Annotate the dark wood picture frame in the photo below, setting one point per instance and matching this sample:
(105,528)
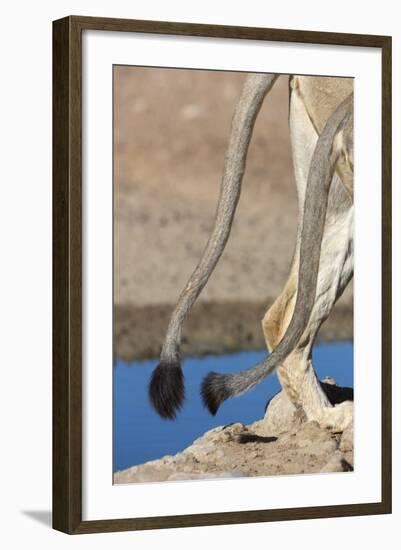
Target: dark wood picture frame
(67,274)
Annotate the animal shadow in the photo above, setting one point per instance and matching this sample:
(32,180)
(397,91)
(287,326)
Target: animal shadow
(253,438)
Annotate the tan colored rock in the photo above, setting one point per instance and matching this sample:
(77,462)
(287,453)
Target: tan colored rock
(335,464)
(280,416)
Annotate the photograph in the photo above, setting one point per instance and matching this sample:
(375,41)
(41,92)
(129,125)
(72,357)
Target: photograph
(233,211)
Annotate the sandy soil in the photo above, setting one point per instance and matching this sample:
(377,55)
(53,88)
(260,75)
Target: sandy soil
(171,129)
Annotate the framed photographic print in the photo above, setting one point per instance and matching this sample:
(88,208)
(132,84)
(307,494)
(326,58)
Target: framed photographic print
(221,274)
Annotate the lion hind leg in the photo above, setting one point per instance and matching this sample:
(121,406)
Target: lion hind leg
(297,375)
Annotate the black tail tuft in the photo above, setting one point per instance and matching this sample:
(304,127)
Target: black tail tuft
(166,389)
(214,391)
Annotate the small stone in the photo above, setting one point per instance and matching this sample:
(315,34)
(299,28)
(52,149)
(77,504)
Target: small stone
(329,380)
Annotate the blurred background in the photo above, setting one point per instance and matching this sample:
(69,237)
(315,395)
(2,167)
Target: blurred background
(171,129)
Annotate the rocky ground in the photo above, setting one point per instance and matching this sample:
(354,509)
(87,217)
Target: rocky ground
(279,444)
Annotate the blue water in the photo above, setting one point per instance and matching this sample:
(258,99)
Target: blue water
(140,435)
